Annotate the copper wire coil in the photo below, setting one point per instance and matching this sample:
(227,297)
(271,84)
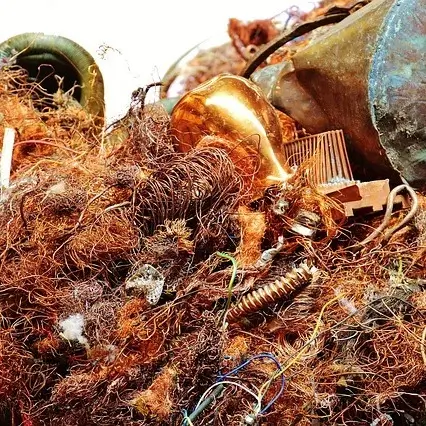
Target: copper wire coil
(270,293)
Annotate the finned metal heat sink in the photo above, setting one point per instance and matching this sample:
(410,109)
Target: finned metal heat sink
(330,164)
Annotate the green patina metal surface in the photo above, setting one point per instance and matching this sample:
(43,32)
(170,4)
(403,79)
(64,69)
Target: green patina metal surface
(31,50)
(367,76)
(397,88)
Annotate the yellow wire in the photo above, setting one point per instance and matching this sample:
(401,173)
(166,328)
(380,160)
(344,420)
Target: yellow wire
(301,352)
(400,272)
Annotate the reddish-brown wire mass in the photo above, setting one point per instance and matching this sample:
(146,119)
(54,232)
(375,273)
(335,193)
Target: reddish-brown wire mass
(84,212)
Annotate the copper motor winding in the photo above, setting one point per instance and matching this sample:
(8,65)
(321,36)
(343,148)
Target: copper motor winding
(272,292)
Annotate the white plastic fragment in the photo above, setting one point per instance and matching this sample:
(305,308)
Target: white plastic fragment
(250,419)
(382,419)
(345,303)
(72,329)
(57,189)
(6,157)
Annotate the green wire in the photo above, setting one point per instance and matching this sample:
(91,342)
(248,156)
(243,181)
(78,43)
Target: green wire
(231,281)
(186,419)
(208,401)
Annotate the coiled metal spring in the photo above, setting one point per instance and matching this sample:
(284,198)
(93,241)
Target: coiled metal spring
(272,292)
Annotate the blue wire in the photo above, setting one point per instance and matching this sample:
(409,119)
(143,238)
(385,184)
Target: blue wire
(277,395)
(261,355)
(245,363)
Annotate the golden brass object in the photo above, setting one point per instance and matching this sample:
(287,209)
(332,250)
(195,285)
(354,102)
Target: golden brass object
(233,109)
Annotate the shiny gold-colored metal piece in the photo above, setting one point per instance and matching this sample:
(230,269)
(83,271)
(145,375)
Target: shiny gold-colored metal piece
(233,109)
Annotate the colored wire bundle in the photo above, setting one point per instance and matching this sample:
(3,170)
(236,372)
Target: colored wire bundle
(247,362)
(208,396)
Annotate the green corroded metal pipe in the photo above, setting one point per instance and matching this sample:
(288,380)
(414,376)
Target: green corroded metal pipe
(367,76)
(68,59)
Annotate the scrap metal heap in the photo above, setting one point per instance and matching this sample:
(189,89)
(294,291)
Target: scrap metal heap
(223,265)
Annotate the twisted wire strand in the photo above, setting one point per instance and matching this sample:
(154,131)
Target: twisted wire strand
(195,185)
(388,214)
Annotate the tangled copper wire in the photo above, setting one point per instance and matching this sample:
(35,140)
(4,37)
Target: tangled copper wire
(78,219)
(200,186)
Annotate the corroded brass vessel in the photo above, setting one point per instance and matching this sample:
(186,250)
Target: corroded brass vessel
(366,76)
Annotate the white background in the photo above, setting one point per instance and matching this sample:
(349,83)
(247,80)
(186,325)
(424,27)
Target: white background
(146,36)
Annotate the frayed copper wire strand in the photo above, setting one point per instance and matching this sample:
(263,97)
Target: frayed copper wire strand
(391,357)
(44,142)
(290,349)
(38,123)
(110,235)
(372,262)
(371,369)
(384,355)
(146,136)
